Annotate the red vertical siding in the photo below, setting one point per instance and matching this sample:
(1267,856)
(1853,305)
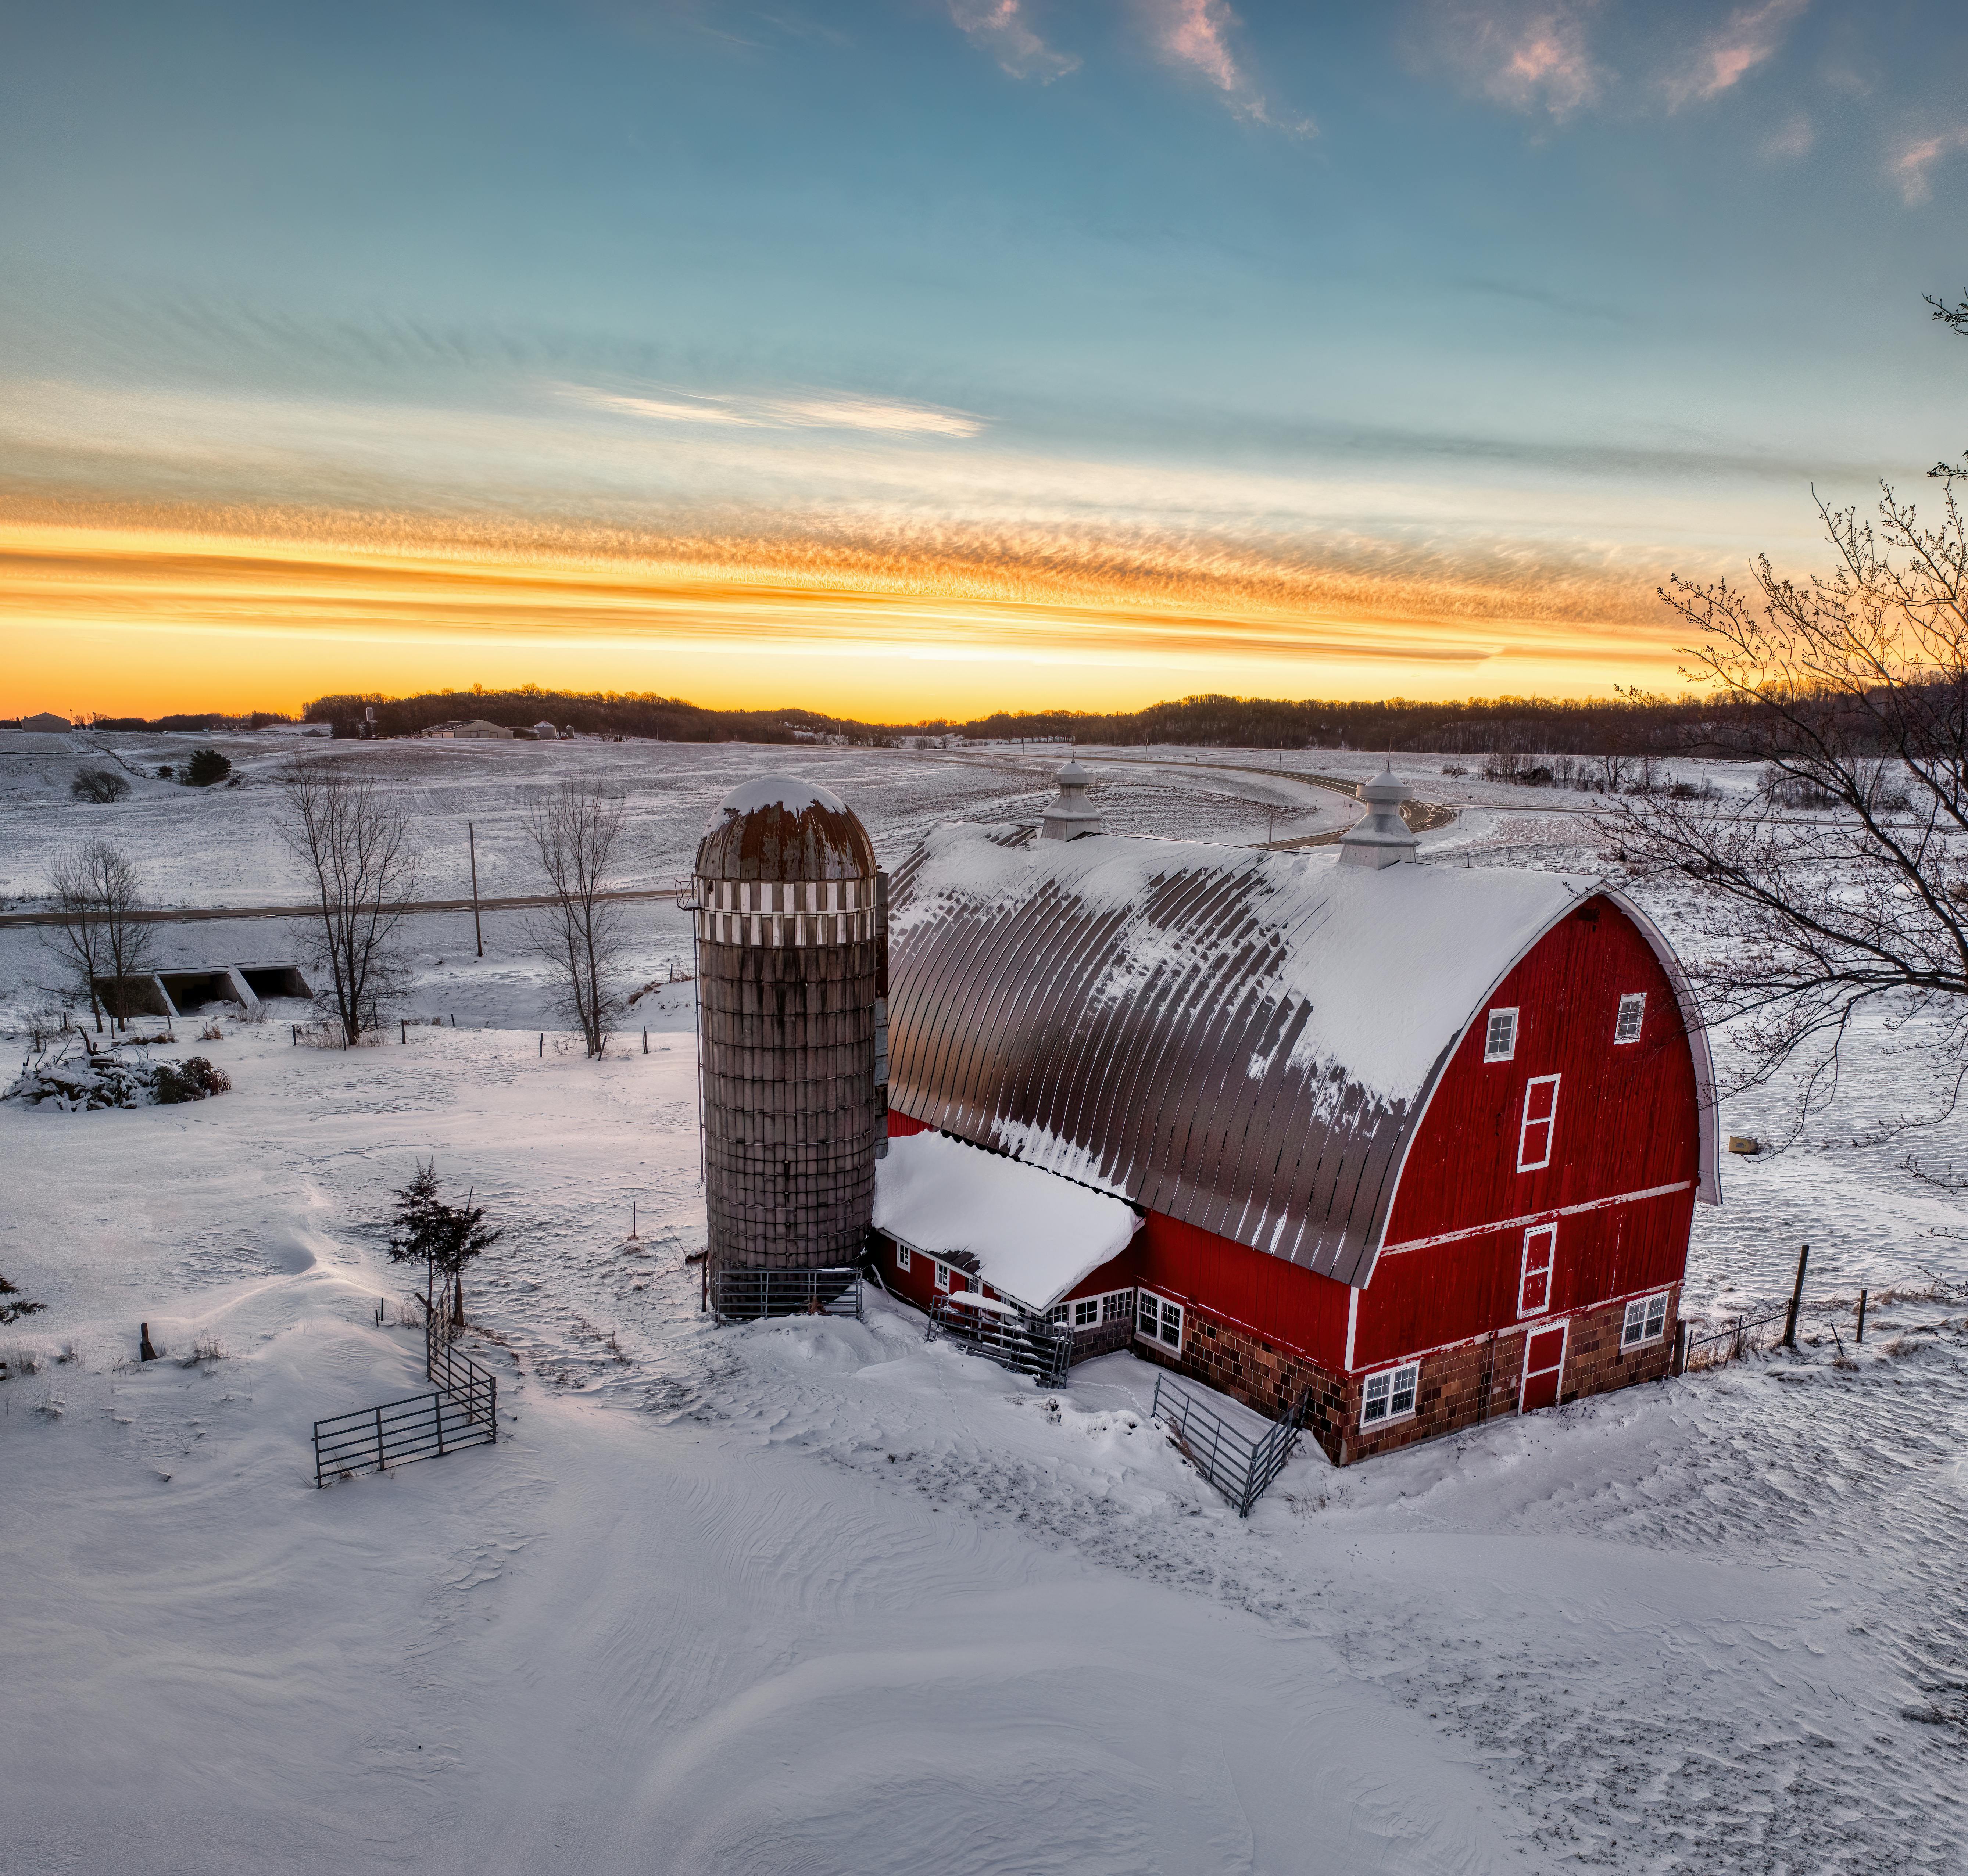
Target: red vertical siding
(901,1126)
(1281,1302)
(1627,1121)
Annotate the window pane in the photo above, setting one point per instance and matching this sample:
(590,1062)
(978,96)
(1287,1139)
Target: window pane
(1632,1015)
(1172,1325)
(1402,1398)
(902,1257)
(1086,1312)
(1149,1315)
(1656,1315)
(1119,1304)
(1375,1398)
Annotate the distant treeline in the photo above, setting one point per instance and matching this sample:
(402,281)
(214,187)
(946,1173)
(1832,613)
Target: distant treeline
(1629,724)
(198,724)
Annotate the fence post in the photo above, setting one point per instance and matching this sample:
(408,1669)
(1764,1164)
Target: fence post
(381,1465)
(1861,1336)
(494,1382)
(1796,1297)
(1680,1360)
(437,1413)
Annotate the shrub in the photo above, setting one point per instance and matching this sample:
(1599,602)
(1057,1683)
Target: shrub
(205,767)
(192,1079)
(163,771)
(98,784)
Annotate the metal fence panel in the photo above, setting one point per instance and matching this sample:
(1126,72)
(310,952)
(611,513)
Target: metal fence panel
(461,1410)
(746,1295)
(1029,1344)
(1240,1465)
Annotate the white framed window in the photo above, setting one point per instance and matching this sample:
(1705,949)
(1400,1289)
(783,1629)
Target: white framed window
(1646,1321)
(942,1275)
(1116,1305)
(1390,1394)
(1534,1284)
(1158,1320)
(1534,1138)
(1500,1038)
(903,1259)
(1632,1015)
(1084,1312)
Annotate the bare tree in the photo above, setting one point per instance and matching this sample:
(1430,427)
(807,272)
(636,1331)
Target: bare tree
(575,830)
(354,837)
(99,937)
(1841,885)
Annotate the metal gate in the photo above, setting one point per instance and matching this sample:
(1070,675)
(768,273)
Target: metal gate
(463,1410)
(744,1295)
(1013,1339)
(1241,1468)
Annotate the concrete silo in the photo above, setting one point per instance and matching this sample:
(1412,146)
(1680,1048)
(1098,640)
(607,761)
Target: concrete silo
(791,920)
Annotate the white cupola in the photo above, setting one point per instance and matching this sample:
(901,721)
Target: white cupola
(1070,814)
(1383,839)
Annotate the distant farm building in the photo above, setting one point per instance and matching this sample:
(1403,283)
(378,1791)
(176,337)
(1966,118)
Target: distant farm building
(473,730)
(47,721)
(1420,1143)
(545,733)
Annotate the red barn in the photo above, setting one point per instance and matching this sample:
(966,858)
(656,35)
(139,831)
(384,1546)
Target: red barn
(1424,1140)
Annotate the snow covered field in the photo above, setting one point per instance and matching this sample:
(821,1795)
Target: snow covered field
(818,1596)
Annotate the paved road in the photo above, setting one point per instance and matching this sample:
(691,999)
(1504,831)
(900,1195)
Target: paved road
(170,915)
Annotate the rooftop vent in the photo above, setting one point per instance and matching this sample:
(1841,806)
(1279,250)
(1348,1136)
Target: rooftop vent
(1383,838)
(1070,814)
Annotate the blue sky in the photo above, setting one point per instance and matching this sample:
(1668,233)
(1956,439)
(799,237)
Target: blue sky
(1391,317)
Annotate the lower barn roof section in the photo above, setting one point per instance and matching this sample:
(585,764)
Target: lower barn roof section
(1033,1235)
(1241,1039)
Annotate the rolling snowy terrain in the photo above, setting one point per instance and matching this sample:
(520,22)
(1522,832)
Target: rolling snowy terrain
(818,1597)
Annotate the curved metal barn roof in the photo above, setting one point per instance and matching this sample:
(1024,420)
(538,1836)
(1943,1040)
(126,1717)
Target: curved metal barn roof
(1243,1040)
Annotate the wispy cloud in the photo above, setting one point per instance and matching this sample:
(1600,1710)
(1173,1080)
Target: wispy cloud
(1001,28)
(1912,166)
(1793,140)
(1748,38)
(1194,36)
(818,410)
(1531,58)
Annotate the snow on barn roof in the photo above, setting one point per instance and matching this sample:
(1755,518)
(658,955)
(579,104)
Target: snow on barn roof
(1241,1039)
(1033,1235)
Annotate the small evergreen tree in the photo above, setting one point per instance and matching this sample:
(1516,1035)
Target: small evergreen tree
(443,1237)
(205,767)
(12,1311)
(415,1239)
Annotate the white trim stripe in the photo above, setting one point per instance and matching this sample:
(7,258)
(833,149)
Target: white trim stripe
(1534,1218)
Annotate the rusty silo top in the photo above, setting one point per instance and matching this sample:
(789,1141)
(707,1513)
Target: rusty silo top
(780,827)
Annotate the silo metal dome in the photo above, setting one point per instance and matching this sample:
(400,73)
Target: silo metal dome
(791,918)
(780,827)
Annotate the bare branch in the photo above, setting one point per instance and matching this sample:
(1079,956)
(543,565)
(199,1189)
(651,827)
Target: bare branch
(575,830)
(353,836)
(1841,887)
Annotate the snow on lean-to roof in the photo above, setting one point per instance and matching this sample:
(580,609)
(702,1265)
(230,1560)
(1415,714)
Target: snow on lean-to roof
(1033,1234)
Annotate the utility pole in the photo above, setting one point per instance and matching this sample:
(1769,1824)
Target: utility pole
(477,932)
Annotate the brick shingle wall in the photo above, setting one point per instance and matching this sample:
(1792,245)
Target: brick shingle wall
(1458,1387)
